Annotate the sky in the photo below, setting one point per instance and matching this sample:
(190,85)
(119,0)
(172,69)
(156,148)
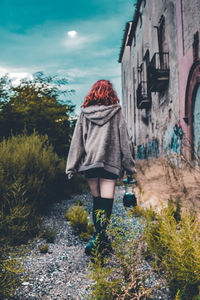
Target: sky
(78,40)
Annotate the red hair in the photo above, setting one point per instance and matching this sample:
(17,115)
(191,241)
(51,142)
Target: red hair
(101,93)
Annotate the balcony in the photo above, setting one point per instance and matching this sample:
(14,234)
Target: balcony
(159,72)
(143,99)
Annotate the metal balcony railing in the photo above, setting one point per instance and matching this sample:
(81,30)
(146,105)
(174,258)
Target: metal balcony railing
(160,61)
(143,99)
(159,71)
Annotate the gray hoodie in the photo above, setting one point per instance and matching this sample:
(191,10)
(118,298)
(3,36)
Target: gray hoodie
(100,139)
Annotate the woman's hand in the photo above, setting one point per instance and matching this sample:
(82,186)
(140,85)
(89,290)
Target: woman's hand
(70,175)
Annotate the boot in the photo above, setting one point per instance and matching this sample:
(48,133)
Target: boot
(100,239)
(93,242)
(105,244)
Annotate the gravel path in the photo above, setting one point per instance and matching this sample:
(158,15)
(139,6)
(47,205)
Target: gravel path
(62,272)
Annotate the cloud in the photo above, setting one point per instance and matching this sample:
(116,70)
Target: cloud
(45,46)
(80,41)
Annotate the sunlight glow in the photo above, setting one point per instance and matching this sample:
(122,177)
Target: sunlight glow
(72,33)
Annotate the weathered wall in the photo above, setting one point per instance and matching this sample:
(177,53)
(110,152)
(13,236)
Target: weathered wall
(188,20)
(152,129)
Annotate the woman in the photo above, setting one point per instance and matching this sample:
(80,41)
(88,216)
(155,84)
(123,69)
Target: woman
(101,149)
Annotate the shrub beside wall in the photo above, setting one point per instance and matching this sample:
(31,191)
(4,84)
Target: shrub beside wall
(174,244)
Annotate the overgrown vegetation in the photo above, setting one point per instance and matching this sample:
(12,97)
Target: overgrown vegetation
(10,272)
(79,219)
(44,248)
(30,162)
(18,220)
(49,234)
(37,104)
(119,276)
(36,125)
(173,241)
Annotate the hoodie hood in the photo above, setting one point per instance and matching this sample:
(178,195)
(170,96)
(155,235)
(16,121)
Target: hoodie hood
(100,114)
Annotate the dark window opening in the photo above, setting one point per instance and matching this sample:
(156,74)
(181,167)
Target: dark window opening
(170,114)
(152,126)
(161,41)
(196,46)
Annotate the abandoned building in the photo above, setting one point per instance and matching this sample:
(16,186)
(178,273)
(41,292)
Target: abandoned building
(160,70)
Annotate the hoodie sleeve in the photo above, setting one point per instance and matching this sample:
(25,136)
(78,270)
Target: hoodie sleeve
(76,149)
(126,147)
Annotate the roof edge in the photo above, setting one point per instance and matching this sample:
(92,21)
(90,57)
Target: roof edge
(135,22)
(131,32)
(124,42)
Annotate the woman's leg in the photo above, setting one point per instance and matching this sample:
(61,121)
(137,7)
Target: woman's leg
(102,191)
(107,188)
(95,191)
(94,186)
(107,191)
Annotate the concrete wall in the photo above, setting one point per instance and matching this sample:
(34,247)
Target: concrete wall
(188,20)
(148,126)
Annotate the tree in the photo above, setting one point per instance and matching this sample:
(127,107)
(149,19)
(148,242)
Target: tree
(39,105)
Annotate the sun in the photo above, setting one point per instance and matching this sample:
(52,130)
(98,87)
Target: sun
(72,33)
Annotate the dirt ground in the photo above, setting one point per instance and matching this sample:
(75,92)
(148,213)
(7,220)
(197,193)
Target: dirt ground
(159,179)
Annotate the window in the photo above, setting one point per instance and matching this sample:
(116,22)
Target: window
(196,46)
(146,65)
(161,34)
(152,126)
(161,41)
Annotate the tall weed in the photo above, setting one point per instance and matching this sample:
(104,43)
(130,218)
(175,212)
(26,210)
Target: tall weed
(175,246)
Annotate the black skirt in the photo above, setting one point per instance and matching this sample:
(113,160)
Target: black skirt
(99,172)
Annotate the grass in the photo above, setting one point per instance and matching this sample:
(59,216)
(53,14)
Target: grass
(80,221)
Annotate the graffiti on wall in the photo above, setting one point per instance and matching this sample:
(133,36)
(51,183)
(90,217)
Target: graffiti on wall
(176,140)
(150,149)
(172,143)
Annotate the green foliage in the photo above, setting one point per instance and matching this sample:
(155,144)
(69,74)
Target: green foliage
(37,105)
(176,248)
(178,297)
(80,221)
(138,211)
(31,177)
(18,220)
(44,248)
(118,276)
(49,234)
(10,273)
(31,161)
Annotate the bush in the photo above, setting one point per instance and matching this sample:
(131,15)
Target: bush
(174,243)
(30,161)
(10,273)
(80,221)
(37,104)
(49,234)
(17,223)
(18,220)
(44,248)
